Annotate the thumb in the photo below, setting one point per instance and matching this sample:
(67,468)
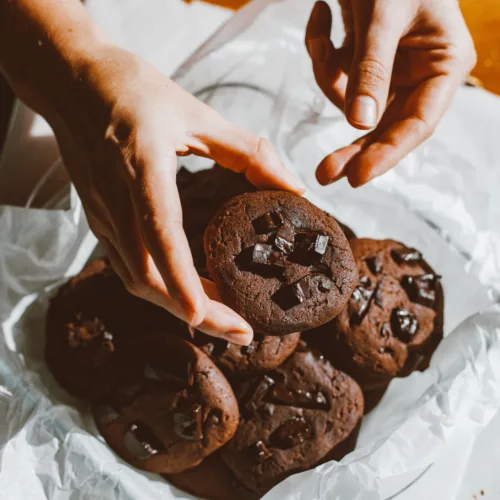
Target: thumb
(377,36)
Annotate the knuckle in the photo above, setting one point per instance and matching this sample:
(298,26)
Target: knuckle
(372,73)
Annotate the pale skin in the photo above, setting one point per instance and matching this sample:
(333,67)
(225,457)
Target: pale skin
(120,125)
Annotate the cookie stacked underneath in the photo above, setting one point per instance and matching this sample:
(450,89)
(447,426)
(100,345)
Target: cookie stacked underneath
(223,421)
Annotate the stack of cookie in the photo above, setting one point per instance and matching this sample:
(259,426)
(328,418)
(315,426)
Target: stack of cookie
(333,320)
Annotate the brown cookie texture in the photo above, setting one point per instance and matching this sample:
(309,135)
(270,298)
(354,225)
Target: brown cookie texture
(202,194)
(172,409)
(264,353)
(394,319)
(279,261)
(212,480)
(291,418)
(88,322)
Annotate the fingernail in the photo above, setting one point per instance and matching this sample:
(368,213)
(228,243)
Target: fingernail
(240,338)
(363,111)
(318,48)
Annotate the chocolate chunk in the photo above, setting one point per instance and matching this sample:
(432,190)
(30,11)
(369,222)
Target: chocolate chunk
(314,400)
(325,285)
(260,451)
(173,382)
(404,324)
(283,245)
(292,295)
(214,417)
(248,349)
(220,346)
(268,222)
(406,255)
(374,264)
(309,248)
(292,433)
(257,393)
(188,425)
(360,303)
(141,442)
(263,254)
(365,281)
(421,289)
(267,409)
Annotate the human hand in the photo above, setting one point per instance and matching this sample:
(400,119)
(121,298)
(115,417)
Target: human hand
(120,131)
(397,72)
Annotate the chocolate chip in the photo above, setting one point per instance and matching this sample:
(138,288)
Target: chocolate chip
(220,347)
(404,324)
(290,434)
(406,255)
(325,285)
(292,295)
(173,382)
(309,248)
(214,417)
(248,349)
(141,442)
(188,425)
(283,245)
(374,264)
(260,451)
(314,400)
(263,254)
(421,289)
(365,281)
(268,222)
(359,304)
(254,397)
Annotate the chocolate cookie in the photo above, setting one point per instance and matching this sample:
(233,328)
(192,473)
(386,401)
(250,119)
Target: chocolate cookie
(264,353)
(88,322)
(394,319)
(212,480)
(279,261)
(349,233)
(171,410)
(202,194)
(291,418)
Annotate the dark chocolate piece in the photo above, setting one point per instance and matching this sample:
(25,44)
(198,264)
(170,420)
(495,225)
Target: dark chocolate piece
(406,255)
(421,289)
(280,394)
(268,222)
(374,264)
(248,349)
(141,442)
(292,295)
(283,245)
(309,248)
(292,433)
(360,303)
(404,324)
(188,425)
(258,393)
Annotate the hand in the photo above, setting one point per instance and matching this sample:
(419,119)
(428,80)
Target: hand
(120,131)
(397,72)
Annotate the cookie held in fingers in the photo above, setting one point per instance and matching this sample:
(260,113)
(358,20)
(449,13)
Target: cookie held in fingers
(291,418)
(279,261)
(171,409)
(394,319)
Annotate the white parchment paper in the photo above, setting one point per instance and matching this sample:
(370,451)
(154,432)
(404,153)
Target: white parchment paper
(443,199)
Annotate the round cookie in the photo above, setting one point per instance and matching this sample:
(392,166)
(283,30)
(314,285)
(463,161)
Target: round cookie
(279,261)
(212,480)
(394,319)
(171,410)
(264,353)
(291,418)
(88,322)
